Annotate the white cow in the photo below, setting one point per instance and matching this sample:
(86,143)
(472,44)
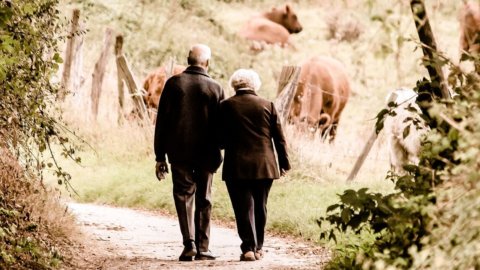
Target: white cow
(404,150)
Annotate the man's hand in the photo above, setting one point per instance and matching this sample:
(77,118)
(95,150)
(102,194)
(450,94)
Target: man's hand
(161,168)
(283,172)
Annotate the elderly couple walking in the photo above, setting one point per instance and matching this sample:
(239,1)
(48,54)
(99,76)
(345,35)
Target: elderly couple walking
(193,123)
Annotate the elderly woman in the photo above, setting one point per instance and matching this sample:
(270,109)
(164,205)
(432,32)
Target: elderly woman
(249,129)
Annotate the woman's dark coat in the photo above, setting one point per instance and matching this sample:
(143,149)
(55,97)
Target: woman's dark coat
(249,130)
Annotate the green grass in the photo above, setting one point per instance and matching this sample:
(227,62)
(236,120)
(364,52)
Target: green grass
(121,172)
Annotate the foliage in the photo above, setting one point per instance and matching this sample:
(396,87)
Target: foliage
(454,233)
(419,224)
(28,130)
(28,60)
(32,223)
(343,28)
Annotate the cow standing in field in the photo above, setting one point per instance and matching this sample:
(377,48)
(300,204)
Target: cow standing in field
(404,150)
(273,27)
(154,83)
(322,92)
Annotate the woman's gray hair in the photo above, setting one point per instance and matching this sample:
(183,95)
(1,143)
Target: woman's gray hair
(245,78)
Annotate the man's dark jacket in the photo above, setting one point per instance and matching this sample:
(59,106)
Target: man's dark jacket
(249,129)
(186,120)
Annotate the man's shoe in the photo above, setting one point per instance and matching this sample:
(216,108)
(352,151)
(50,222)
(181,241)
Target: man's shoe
(183,258)
(188,252)
(259,254)
(205,255)
(248,256)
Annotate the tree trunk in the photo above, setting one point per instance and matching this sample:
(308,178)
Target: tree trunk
(429,48)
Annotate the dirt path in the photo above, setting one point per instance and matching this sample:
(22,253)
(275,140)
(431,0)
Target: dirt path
(121,238)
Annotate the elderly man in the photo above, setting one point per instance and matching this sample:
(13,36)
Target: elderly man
(185,132)
(249,129)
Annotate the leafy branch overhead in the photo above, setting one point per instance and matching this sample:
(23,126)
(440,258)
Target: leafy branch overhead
(29,126)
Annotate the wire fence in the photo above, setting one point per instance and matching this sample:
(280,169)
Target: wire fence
(318,88)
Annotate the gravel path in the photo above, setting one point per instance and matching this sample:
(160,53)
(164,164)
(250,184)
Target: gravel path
(122,238)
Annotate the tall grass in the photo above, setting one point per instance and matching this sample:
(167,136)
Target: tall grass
(121,169)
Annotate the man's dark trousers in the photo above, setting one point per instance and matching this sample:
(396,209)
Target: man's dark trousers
(193,186)
(249,201)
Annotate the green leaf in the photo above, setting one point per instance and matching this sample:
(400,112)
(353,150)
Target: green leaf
(349,196)
(29,9)
(57,58)
(406,131)
(346,215)
(332,207)
(377,18)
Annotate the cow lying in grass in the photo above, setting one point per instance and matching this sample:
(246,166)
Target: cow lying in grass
(272,27)
(405,129)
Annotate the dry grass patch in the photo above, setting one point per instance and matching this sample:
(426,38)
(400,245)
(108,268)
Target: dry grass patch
(36,231)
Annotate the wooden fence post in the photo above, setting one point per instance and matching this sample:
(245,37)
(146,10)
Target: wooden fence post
(132,86)
(429,47)
(363,156)
(120,78)
(77,76)
(287,86)
(99,72)
(169,68)
(68,59)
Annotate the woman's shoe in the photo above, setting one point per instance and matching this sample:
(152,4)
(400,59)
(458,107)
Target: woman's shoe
(259,254)
(205,255)
(248,256)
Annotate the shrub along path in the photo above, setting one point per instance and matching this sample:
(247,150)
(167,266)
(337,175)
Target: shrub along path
(122,238)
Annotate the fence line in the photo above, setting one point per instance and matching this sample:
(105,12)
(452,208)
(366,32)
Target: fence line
(311,86)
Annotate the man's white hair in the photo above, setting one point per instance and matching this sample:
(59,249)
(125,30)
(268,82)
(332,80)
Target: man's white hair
(200,53)
(245,78)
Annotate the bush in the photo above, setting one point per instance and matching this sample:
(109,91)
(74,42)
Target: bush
(31,222)
(343,27)
(28,59)
(428,223)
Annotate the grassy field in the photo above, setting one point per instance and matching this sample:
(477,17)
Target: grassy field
(119,170)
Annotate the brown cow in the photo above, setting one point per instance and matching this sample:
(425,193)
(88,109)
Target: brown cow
(273,27)
(322,92)
(154,83)
(470,27)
